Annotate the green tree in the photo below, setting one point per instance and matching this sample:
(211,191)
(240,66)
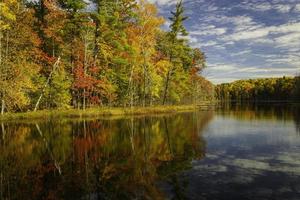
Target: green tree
(175,48)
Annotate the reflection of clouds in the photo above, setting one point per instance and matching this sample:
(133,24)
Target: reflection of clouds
(248,134)
(249,164)
(212,156)
(243,178)
(245,170)
(253,145)
(259,167)
(248,159)
(213,169)
(289,158)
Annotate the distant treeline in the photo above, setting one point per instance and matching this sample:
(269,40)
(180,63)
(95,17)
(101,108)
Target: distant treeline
(268,89)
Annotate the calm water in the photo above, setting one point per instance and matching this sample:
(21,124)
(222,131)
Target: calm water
(234,153)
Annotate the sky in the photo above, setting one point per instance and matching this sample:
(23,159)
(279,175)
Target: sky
(243,39)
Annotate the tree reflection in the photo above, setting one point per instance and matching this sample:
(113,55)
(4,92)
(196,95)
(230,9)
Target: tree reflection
(296,114)
(99,159)
(262,111)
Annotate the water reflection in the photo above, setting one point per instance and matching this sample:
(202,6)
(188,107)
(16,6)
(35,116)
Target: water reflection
(99,159)
(252,152)
(237,152)
(296,115)
(262,111)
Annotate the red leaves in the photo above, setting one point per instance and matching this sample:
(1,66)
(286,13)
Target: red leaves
(83,80)
(86,84)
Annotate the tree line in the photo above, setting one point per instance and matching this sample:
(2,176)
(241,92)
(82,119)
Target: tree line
(70,53)
(267,89)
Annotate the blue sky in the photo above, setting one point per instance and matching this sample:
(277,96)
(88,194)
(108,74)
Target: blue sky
(243,39)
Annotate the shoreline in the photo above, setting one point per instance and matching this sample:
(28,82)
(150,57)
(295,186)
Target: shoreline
(105,112)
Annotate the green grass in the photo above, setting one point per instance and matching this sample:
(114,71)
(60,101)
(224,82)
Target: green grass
(102,112)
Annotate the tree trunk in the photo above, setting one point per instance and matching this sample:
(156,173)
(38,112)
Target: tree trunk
(144,95)
(131,87)
(145,73)
(7,45)
(166,88)
(1,185)
(1,46)
(170,71)
(46,84)
(132,136)
(168,136)
(97,35)
(85,68)
(56,164)
(2,106)
(3,131)
(84,102)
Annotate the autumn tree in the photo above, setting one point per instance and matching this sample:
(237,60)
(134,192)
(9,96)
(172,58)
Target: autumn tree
(142,37)
(7,16)
(63,53)
(21,55)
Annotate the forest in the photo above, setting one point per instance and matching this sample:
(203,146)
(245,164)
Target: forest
(60,54)
(267,89)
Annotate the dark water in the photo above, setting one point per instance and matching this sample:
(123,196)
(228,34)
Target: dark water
(234,153)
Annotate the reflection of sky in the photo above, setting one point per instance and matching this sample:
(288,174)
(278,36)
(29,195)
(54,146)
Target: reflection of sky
(252,133)
(259,157)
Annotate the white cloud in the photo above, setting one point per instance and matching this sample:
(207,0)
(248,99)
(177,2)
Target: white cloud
(288,40)
(266,6)
(259,6)
(209,30)
(211,8)
(167,24)
(221,67)
(292,60)
(248,51)
(163,2)
(289,27)
(285,34)
(245,35)
(222,72)
(297,8)
(209,43)
(264,40)
(283,8)
(192,40)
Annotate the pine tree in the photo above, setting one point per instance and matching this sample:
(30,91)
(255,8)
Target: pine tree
(177,19)
(175,48)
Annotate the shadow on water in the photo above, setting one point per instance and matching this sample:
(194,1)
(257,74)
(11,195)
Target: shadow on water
(99,159)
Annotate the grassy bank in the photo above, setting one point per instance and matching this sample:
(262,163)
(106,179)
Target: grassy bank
(103,111)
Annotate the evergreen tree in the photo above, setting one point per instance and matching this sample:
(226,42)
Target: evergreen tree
(175,47)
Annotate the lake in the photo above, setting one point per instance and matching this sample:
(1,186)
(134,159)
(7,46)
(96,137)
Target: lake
(232,153)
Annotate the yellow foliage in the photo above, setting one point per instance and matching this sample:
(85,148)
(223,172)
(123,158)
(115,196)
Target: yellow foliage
(7,13)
